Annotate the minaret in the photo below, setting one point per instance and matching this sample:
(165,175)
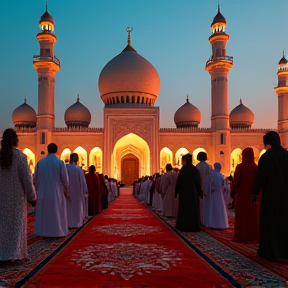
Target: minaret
(282,92)
(218,66)
(46,65)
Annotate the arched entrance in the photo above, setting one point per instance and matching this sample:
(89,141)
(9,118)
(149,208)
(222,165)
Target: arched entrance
(129,169)
(127,145)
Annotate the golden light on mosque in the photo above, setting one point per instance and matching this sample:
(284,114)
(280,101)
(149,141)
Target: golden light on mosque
(130,144)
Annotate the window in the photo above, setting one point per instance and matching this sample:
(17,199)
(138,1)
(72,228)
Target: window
(43,138)
(222,138)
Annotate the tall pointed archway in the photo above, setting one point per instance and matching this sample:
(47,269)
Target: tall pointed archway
(133,145)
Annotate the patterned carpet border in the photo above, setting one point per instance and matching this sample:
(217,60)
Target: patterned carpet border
(198,252)
(246,272)
(47,259)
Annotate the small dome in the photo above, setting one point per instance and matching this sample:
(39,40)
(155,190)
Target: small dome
(77,115)
(187,115)
(129,78)
(24,116)
(283,60)
(46,16)
(219,18)
(241,116)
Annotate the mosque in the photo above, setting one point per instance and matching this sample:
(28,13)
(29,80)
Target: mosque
(131,143)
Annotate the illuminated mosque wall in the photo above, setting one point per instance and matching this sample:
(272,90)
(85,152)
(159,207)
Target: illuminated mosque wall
(131,143)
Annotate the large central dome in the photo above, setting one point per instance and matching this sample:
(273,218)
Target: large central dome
(129,79)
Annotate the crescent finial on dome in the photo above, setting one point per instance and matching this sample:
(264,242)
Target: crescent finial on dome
(187,98)
(25,100)
(129,30)
(78,98)
(218,6)
(241,101)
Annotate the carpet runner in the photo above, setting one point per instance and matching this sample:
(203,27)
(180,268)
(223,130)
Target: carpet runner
(127,246)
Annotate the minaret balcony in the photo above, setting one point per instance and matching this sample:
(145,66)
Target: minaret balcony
(39,59)
(219,60)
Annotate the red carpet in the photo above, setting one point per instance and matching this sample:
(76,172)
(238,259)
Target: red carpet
(248,249)
(127,246)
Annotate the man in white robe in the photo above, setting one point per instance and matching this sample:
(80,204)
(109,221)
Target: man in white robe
(78,193)
(218,217)
(143,194)
(52,187)
(170,203)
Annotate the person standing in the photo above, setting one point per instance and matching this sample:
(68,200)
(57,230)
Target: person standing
(218,218)
(94,196)
(170,204)
(205,169)
(143,194)
(188,186)
(52,190)
(16,189)
(246,226)
(78,193)
(272,178)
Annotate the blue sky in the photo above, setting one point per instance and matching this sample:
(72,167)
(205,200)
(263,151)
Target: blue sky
(172,35)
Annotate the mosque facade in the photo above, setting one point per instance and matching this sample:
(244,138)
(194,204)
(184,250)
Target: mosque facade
(131,143)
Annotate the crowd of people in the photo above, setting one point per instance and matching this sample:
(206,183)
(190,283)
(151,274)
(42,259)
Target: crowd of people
(63,195)
(197,196)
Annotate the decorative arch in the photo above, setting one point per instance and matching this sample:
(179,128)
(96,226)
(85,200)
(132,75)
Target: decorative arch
(82,154)
(130,143)
(178,156)
(195,153)
(166,156)
(30,159)
(235,159)
(65,155)
(95,158)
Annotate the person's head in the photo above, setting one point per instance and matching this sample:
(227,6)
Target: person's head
(151,178)
(74,158)
(106,177)
(271,138)
(201,156)
(92,168)
(187,159)
(52,148)
(66,161)
(146,178)
(8,142)
(230,178)
(217,166)
(248,155)
(169,167)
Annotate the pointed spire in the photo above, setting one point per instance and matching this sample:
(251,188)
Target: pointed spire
(241,101)
(129,30)
(187,98)
(46,5)
(218,6)
(283,54)
(78,98)
(25,100)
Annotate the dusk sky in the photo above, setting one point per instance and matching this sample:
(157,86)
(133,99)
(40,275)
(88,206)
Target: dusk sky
(172,35)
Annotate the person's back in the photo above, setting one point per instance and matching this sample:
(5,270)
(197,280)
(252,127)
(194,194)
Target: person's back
(272,177)
(246,226)
(218,217)
(15,190)
(78,191)
(188,187)
(52,189)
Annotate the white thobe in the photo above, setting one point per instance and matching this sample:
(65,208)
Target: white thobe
(157,197)
(76,205)
(218,213)
(143,192)
(170,203)
(51,181)
(205,169)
